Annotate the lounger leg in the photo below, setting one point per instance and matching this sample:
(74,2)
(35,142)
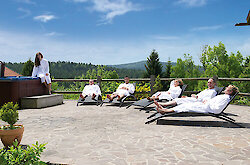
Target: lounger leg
(229,118)
(230,121)
(152,115)
(121,104)
(150,121)
(129,105)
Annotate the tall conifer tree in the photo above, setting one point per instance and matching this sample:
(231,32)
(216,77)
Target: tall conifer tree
(153,65)
(27,68)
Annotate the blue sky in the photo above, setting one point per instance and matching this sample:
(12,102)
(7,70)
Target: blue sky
(119,31)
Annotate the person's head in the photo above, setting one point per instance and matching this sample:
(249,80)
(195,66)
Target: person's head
(126,79)
(91,82)
(178,82)
(211,83)
(231,90)
(38,58)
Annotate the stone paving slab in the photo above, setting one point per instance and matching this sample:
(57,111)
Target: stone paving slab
(109,135)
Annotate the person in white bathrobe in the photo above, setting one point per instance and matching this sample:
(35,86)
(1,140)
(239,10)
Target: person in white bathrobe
(173,92)
(214,105)
(41,69)
(200,97)
(124,89)
(92,90)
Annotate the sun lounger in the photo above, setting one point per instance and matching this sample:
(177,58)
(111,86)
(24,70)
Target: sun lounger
(122,100)
(221,115)
(219,90)
(88,100)
(145,102)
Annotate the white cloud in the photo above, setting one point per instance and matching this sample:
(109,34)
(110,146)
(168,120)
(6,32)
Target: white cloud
(162,37)
(44,18)
(110,8)
(25,11)
(215,27)
(192,3)
(113,8)
(26,1)
(78,0)
(53,34)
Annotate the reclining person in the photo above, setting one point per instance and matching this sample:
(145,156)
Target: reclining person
(90,90)
(206,94)
(214,105)
(173,92)
(124,89)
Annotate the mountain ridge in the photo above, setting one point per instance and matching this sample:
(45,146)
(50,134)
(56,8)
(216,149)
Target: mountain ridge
(140,65)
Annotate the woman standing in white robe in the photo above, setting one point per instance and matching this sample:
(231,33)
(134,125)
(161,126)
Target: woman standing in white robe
(41,69)
(173,92)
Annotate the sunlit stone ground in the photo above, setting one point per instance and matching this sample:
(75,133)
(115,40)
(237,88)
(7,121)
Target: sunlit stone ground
(90,134)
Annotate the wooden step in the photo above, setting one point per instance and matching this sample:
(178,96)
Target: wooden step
(42,101)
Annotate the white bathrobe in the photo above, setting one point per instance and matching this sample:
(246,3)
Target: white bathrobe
(131,89)
(174,92)
(214,105)
(41,70)
(203,95)
(89,90)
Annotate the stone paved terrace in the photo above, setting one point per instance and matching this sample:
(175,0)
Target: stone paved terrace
(109,135)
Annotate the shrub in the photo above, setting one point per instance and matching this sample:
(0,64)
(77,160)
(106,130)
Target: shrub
(9,114)
(17,155)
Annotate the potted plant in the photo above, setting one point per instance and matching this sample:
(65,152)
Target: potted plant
(9,133)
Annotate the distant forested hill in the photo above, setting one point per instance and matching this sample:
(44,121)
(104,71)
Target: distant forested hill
(62,69)
(138,65)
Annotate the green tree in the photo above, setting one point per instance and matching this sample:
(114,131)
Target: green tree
(186,69)
(153,65)
(27,68)
(168,69)
(216,61)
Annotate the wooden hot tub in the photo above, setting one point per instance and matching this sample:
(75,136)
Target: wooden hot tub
(14,88)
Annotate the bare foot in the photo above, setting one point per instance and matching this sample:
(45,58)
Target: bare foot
(93,96)
(82,96)
(109,97)
(161,111)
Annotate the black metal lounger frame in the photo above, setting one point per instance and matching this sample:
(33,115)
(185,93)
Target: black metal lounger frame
(145,102)
(221,115)
(88,99)
(122,100)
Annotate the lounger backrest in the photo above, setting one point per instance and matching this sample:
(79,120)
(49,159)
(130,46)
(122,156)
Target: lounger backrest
(219,90)
(182,90)
(231,99)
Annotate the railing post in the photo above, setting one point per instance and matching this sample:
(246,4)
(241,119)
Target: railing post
(2,68)
(152,83)
(99,81)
